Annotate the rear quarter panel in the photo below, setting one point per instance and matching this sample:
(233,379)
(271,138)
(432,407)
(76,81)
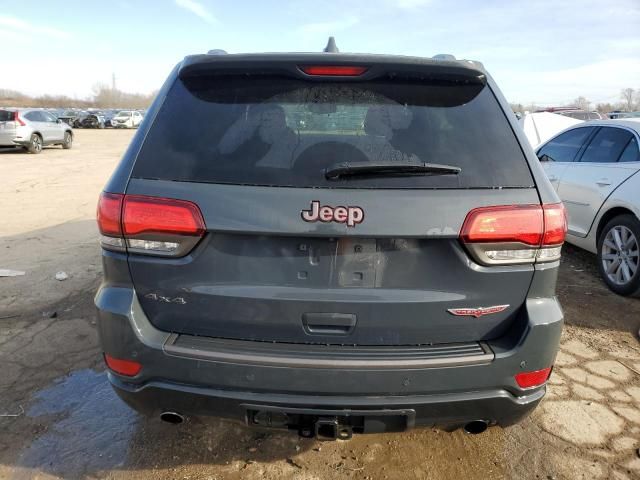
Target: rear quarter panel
(626,196)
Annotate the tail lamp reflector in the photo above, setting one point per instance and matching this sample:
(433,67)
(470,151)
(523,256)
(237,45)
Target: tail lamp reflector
(511,234)
(532,379)
(151,225)
(128,368)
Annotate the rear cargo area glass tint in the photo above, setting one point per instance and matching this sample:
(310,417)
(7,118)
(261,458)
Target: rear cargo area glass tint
(6,115)
(277,131)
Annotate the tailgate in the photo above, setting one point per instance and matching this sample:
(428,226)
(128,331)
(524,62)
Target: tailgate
(291,254)
(262,274)
(7,127)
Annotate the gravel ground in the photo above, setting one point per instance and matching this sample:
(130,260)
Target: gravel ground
(60,419)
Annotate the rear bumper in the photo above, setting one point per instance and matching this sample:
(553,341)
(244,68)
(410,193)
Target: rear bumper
(21,136)
(449,411)
(224,383)
(12,141)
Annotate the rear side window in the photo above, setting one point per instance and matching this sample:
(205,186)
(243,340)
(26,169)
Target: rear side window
(606,146)
(631,153)
(280,131)
(33,116)
(566,146)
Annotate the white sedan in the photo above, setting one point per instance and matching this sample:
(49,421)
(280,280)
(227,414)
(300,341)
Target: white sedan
(594,168)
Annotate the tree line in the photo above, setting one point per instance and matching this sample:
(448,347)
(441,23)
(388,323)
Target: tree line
(629,102)
(103,96)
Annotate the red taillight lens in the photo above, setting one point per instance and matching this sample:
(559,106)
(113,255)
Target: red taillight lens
(555,224)
(128,368)
(17,119)
(144,214)
(109,214)
(334,70)
(512,234)
(533,379)
(149,225)
(514,223)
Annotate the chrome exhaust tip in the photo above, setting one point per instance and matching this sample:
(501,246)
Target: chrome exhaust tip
(171,417)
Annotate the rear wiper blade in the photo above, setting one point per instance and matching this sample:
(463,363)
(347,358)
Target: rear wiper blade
(352,169)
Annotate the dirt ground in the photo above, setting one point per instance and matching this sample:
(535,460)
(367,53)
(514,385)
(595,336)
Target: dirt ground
(60,419)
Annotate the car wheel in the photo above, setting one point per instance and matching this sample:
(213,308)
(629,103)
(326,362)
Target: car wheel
(619,255)
(68,141)
(35,144)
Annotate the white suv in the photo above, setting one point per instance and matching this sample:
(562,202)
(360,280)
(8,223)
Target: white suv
(127,119)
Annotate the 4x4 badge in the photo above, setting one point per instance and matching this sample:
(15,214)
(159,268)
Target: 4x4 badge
(477,312)
(349,215)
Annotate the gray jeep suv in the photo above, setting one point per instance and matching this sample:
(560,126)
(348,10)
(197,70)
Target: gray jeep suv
(332,244)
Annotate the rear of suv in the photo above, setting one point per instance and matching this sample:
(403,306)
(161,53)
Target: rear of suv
(33,129)
(330,243)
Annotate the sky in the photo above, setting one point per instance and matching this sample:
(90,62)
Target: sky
(538,51)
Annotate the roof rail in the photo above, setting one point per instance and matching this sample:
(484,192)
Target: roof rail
(331,46)
(444,56)
(217,51)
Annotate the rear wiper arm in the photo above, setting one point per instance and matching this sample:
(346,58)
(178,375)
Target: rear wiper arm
(391,169)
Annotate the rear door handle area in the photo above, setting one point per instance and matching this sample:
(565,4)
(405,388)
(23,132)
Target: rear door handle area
(604,182)
(553,178)
(328,323)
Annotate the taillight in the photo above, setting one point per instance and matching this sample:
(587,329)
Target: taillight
(334,70)
(109,218)
(17,119)
(161,215)
(149,225)
(532,379)
(128,368)
(555,224)
(510,234)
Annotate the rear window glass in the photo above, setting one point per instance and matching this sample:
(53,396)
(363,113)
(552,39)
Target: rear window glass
(286,132)
(6,115)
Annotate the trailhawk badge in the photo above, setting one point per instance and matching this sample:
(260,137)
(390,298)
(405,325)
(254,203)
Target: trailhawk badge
(349,215)
(477,312)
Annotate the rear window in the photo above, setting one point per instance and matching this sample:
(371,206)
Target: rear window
(6,115)
(286,132)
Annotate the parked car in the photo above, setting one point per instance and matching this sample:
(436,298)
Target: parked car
(93,120)
(574,112)
(127,119)
(327,277)
(80,117)
(583,114)
(33,129)
(108,116)
(618,114)
(594,168)
(541,126)
(69,117)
